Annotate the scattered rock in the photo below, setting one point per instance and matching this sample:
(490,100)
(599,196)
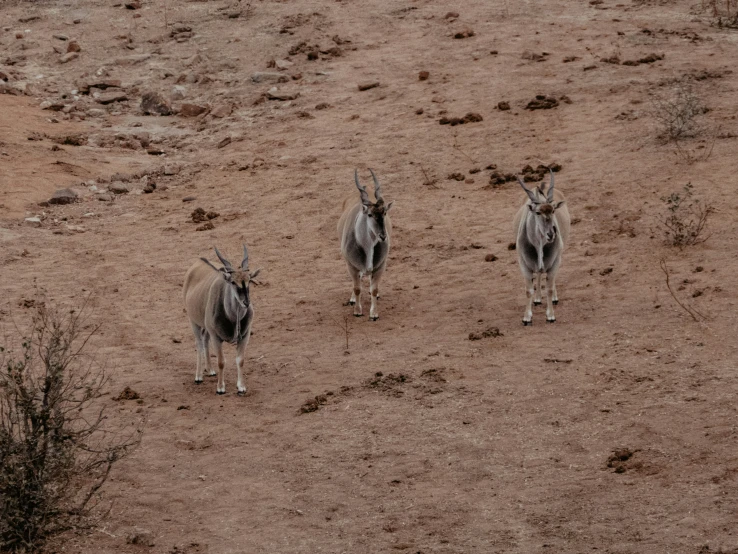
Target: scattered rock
(63,196)
(535,57)
(59,36)
(78,139)
(189,199)
(105,197)
(150,187)
(139,536)
(503,106)
(192,110)
(368,85)
(206,226)
(127,394)
(68,57)
(456,176)
(569,59)
(487,333)
(615,60)
(651,58)
(423,76)
(542,102)
(490,258)
(178,93)
(102,84)
(74,46)
(275,94)
(224,142)
(451,15)
(110,97)
(32,221)
(118,187)
(269,77)
(154,103)
(171,169)
(606,271)
(464,33)
(322,106)
(224,110)
(283,64)
(199,215)
(133,5)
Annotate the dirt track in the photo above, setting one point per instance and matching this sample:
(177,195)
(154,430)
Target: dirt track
(492,445)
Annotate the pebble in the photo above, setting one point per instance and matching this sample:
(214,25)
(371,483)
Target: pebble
(274,94)
(63,196)
(68,57)
(33,221)
(178,93)
(119,187)
(269,77)
(191,110)
(154,103)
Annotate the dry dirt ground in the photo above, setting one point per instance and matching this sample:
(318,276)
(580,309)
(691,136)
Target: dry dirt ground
(493,445)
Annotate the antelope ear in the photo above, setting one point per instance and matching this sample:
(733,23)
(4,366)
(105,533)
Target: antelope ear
(254,274)
(532,207)
(559,204)
(389,207)
(365,208)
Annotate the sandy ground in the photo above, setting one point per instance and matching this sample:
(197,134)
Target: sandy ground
(492,445)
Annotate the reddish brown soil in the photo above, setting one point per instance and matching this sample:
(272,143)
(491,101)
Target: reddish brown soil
(492,445)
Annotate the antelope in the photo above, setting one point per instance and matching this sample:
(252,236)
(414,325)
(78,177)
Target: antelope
(364,230)
(542,229)
(218,305)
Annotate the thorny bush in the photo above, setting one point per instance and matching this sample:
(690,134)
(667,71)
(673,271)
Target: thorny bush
(685,220)
(56,446)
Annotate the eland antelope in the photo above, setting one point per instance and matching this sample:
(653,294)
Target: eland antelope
(542,229)
(364,230)
(218,305)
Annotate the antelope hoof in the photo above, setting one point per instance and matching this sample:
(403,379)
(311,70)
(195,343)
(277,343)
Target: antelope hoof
(373,318)
(241,393)
(351,302)
(198,382)
(219,392)
(358,315)
(536,302)
(551,320)
(212,374)
(526,323)
(555,302)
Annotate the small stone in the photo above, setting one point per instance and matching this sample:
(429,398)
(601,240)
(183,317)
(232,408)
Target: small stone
(225,142)
(274,94)
(68,57)
(503,106)
(60,37)
(224,110)
(192,110)
(32,221)
(154,103)
(423,76)
(464,33)
(119,187)
(456,177)
(63,196)
(105,197)
(451,15)
(206,226)
(133,5)
(189,199)
(74,47)
(269,77)
(283,64)
(171,169)
(368,85)
(490,258)
(149,188)
(140,536)
(110,97)
(76,228)
(178,93)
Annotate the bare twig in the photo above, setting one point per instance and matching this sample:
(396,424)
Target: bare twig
(428,182)
(694,314)
(457,147)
